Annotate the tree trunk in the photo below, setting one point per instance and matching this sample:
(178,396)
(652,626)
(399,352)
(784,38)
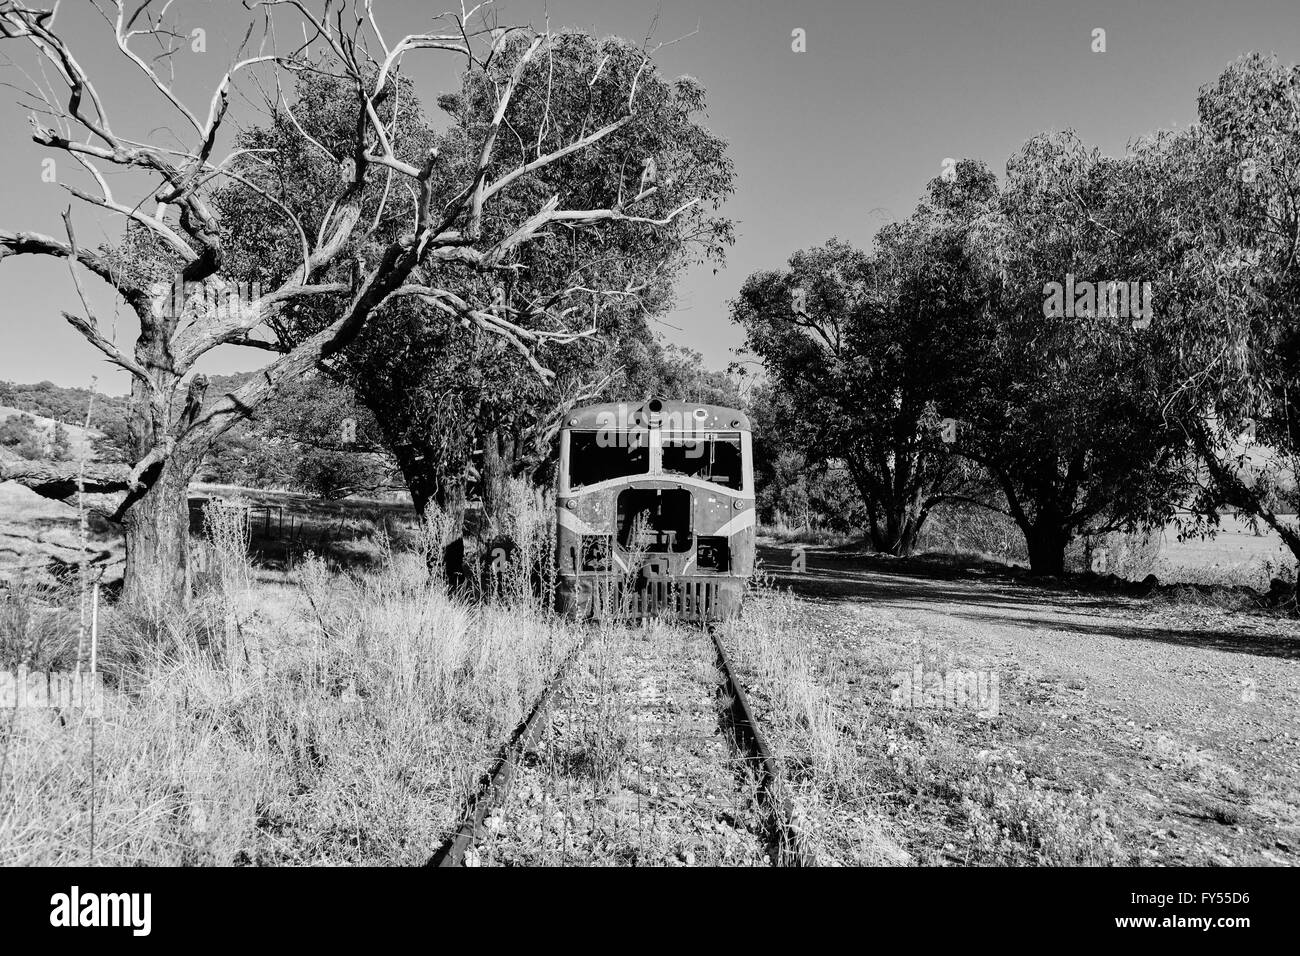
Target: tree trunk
(157,523)
(157,529)
(911,532)
(899,533)
(1046,543)
(493,484)
(452,502)
(430,490)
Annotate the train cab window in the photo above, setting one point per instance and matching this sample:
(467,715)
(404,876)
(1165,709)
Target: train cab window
(600,456)
(712,456)
(654,520)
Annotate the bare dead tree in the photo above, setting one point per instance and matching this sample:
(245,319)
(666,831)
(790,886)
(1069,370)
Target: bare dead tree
(173,419)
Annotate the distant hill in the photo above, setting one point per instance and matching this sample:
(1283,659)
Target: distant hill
(46,403)
(67,405)
(80,441)
(290,443)
(49,403)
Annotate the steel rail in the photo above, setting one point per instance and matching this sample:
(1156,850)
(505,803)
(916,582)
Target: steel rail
(494,789)
(792,848)
(492,792)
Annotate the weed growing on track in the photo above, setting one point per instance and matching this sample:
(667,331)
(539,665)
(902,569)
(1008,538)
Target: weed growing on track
(632,768)
(337,718)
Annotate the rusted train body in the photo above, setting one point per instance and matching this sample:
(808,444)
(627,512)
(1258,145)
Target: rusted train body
(655,511)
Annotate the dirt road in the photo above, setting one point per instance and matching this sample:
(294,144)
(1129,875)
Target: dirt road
(1185,718)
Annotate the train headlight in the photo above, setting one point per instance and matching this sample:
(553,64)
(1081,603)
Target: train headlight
(739,504)
(571,505)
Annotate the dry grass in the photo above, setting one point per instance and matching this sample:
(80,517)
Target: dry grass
(831,800)
(336,718)
(38,625)
(972,532)
(515,561)
(782,532)
(874,784)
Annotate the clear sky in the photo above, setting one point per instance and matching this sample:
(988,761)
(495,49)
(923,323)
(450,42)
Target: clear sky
(835,140)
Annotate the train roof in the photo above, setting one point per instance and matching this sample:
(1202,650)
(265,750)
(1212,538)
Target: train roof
(699,415)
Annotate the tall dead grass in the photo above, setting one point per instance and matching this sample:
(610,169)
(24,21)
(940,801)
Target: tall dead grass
(38,625)
(340,718)
(517,564)
(830,792)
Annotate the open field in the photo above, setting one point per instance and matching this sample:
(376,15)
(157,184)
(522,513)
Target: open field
(1236,555)
(36,533)
(286,524)
(283,527)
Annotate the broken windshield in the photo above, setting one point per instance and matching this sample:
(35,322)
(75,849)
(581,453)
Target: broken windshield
(596,456)
(711,456)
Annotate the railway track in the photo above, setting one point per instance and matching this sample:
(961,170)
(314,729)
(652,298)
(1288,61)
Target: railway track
(792,848)
(495,788)
(664,746)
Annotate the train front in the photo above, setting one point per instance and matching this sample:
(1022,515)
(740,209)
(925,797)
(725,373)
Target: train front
(655,511)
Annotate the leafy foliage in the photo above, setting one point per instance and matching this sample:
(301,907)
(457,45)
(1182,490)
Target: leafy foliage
(1076,421)
(864,349)
(441,390)
(19,434)
(1068,412)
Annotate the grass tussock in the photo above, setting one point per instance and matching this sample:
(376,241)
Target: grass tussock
(38,625)
(339,718)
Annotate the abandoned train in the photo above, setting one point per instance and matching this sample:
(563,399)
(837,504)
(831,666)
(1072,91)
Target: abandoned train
(655,511)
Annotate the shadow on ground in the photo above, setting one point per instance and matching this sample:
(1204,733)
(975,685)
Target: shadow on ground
(989,594)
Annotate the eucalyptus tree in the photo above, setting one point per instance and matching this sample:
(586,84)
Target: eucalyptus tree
(472,203)
(1229,188)
(1066,406)
(866,352)
(457,399)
